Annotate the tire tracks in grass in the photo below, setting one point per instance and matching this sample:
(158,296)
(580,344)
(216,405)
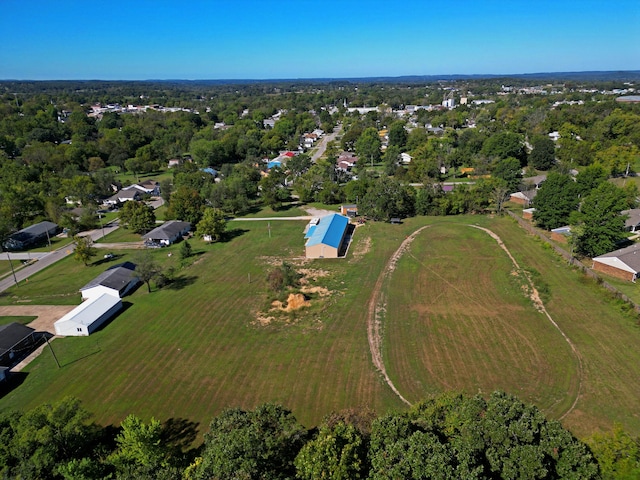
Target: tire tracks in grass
(376,311)
(539,304)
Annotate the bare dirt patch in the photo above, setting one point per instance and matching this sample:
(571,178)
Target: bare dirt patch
(376,309)
(47,314)
(362,248)
(295,301)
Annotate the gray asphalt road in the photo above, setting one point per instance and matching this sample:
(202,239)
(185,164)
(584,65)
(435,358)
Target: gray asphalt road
(51,258)
(322,144)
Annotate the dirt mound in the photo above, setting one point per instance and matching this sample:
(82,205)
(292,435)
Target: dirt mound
(322,291)
(295,301)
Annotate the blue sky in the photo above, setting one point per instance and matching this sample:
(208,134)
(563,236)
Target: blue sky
(241,39)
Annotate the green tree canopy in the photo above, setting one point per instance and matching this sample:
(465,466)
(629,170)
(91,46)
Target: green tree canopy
(368,145)
(84,250)
(556,199)
(599,217)
(261,443)
(137,216)
(543,155)
(212,225)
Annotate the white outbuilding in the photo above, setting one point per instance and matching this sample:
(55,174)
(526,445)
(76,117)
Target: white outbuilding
(88,316)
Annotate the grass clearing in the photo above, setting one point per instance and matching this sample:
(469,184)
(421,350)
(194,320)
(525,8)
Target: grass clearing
(457,318)
(192,349)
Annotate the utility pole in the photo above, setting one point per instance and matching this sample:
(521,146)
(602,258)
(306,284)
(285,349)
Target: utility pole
(52,352)
(269,227)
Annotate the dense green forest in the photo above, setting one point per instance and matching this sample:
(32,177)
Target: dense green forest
(443,437)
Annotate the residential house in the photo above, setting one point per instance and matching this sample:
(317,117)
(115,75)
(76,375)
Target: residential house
(523,198)
(32,235)
(325,238)
(117,281)
(534,182)
(623,263)
(405,158)
(124,195)
(16,341)
(167,233)
(175,162)
(632,223)
(150,187)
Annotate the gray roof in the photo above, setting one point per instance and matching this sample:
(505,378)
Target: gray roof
(630,256)
(535,180)
(117,277)
(12,334)
(37,230)
(168,230)
(634,217)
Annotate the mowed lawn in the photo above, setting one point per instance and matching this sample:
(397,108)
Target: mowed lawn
(606,335)
(191,350)
(457,319)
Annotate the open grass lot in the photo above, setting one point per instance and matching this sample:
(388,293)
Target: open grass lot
(606,335)
(457,319)
(5,267)
(121,235)
(192,349)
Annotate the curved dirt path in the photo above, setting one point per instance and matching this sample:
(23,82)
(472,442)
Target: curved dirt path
(539,305)
(376,308)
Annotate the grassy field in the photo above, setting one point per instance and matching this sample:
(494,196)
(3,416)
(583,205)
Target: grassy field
(191,349)
(457,319)
(121,235)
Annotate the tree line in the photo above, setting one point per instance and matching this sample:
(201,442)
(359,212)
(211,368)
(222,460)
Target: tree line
(445,436)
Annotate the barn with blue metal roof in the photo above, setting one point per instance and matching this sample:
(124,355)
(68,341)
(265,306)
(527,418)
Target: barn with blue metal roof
(325,239)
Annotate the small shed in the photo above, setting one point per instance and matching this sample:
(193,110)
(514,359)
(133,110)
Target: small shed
(16,340)
(116,281)
(167,233)
(88,316)
(623,263)
(327,237)
(349,210)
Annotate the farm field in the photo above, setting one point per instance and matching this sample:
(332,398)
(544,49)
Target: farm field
(189,350)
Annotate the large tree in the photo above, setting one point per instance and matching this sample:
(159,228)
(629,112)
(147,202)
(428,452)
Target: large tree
(556,199)
(368,145)
(543,155)
(186,204)
(137,216)
(261,443)
(212,225)
(147,268)
(84,250)
(599,217)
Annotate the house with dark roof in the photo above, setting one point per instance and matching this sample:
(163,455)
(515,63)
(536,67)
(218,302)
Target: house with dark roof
(623,263)
(632,223)
(16,341)
(31,235)
(167,233)
(325,238)
(117,281)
